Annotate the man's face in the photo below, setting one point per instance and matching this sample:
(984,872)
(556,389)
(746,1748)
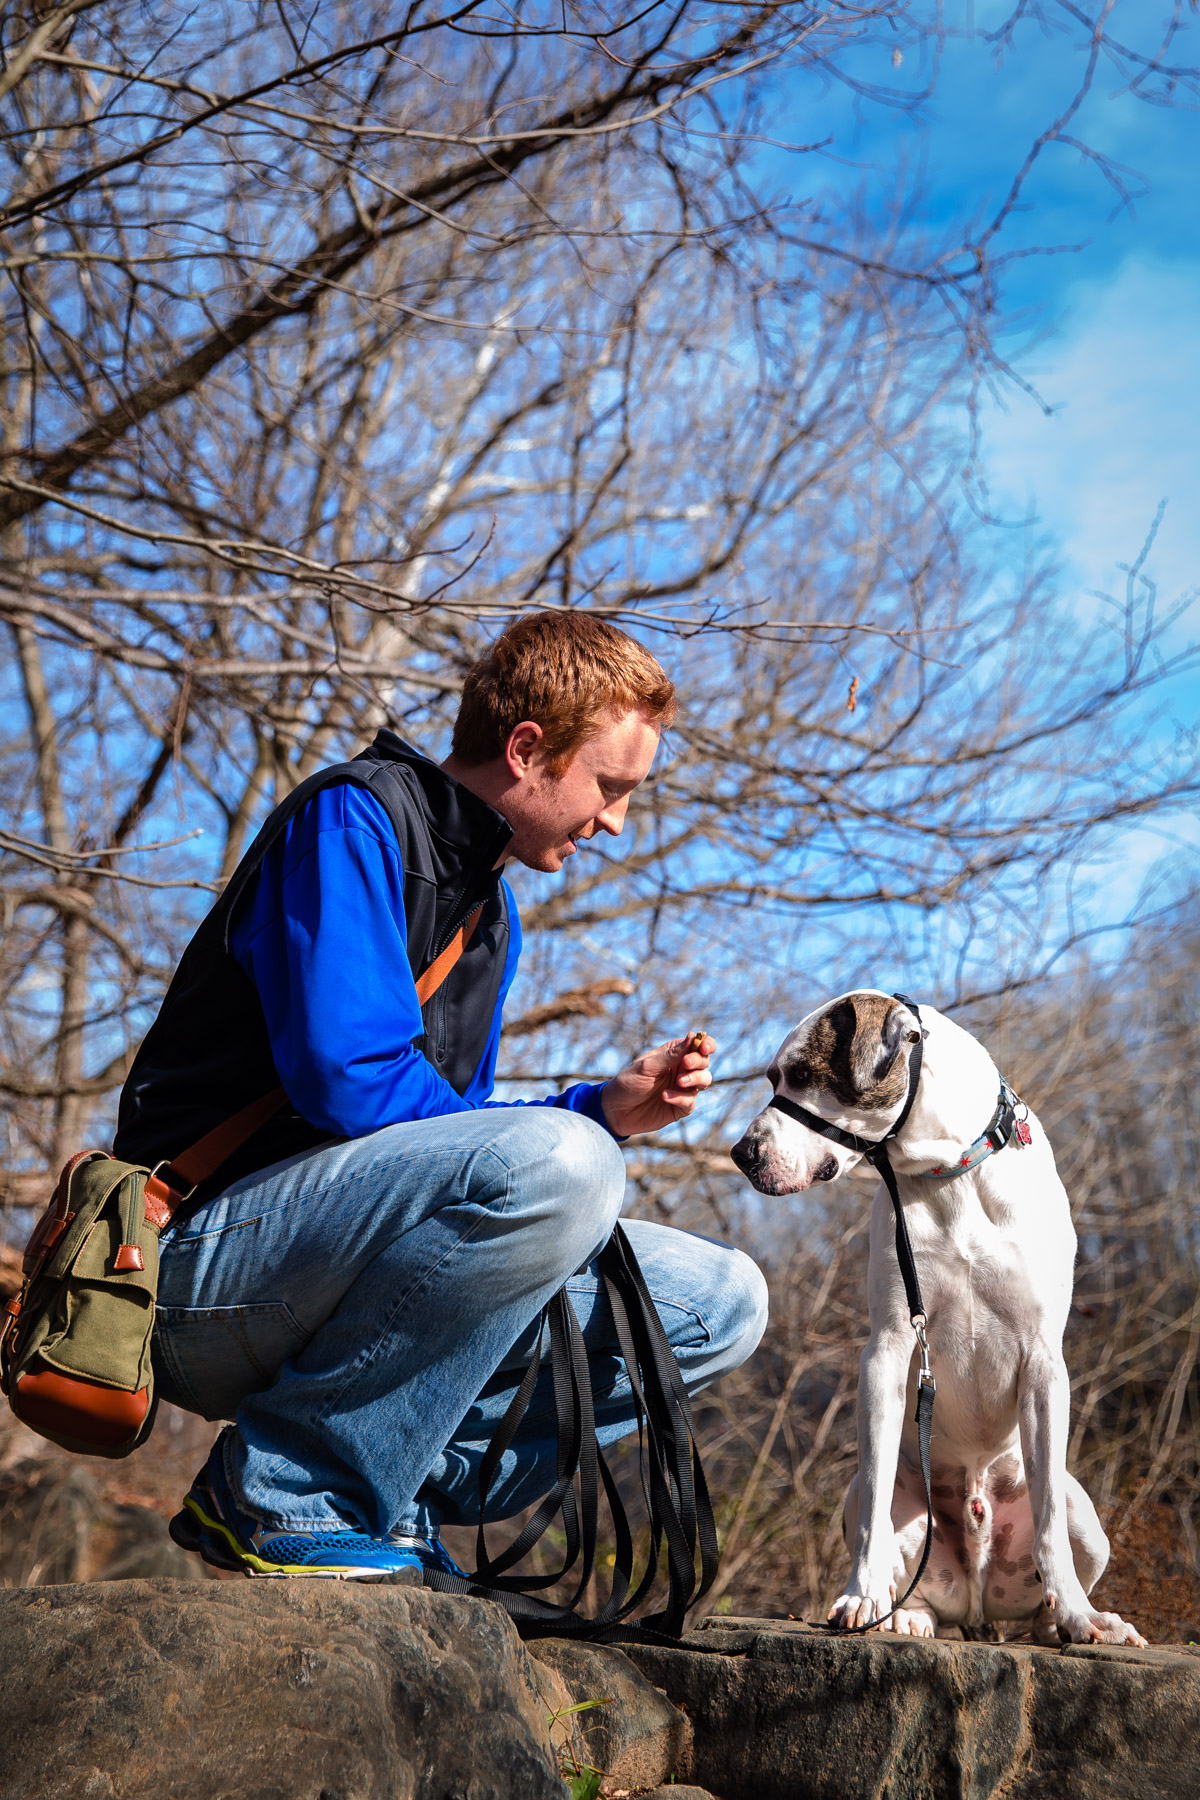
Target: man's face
(552,814)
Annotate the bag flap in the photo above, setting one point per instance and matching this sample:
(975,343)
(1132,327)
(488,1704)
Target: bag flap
(93,1200)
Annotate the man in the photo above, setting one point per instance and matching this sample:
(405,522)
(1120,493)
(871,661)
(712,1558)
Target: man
(359,1288)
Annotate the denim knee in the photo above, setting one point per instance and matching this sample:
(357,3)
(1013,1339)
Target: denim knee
(738,1316)
(712,1297)
(575,1183)
(749,1308)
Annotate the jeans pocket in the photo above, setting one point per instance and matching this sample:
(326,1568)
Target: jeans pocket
(208,1358)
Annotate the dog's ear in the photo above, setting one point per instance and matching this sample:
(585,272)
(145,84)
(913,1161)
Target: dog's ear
(886,1031)
(892,1037)
(854,1050)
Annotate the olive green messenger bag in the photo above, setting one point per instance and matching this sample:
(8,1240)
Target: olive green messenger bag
(75,1343)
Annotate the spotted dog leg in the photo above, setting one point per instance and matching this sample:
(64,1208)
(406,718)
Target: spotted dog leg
(941,1598)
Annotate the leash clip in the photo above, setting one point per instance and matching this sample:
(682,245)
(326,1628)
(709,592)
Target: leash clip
(925,1379)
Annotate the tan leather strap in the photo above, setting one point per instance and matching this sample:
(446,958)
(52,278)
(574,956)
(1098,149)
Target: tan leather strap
(441,966)
(171,1183)
(205,1156)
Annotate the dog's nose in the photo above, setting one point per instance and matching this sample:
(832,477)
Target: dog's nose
(746,1154)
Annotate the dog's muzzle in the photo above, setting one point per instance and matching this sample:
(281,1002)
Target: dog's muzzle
(747,1154)
(751,1154)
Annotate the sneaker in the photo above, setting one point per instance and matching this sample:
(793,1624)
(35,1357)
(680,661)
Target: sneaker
(212,1524)
(431,1551)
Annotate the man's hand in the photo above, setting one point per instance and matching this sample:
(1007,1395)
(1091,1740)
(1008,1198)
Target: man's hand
(656,1089)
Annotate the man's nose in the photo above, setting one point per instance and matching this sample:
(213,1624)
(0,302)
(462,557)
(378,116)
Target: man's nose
(613,817)
(747,1154)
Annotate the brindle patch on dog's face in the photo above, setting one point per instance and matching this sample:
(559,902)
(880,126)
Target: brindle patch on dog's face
(853,1052)
(850,1053)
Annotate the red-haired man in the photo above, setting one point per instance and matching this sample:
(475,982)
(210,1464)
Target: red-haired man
(359,1288)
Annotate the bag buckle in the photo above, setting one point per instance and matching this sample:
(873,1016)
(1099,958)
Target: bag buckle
(165,1192)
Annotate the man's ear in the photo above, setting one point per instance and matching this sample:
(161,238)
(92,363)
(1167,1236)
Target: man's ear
(520,752)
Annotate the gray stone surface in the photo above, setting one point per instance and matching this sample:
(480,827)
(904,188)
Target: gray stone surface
(311,1690)
(266,1690)
(780,1712)
(636,1737)
(681,1790)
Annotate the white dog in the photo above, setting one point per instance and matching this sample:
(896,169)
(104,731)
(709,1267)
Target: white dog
(1016,1538)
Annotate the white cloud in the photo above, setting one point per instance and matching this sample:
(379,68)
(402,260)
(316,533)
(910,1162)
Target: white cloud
(1124,377)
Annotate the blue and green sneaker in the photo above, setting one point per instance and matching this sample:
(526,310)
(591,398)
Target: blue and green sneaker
(432,1552)
(214,1525)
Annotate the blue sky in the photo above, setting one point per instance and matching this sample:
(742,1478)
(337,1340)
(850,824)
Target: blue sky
(1107,331)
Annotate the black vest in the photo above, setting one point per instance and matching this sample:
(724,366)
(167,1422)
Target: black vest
(208,1053)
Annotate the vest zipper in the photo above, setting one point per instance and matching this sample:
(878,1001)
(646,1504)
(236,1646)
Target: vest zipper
(460,911)
(459,914)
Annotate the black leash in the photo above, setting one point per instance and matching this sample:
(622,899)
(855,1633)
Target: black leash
(672,1479)
(875,1151)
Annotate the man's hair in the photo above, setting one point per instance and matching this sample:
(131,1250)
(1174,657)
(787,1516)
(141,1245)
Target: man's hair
(567,672)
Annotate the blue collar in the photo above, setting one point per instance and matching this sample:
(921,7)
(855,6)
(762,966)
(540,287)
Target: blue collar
(1005,1124)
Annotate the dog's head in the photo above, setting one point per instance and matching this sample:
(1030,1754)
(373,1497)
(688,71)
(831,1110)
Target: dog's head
(848,1062)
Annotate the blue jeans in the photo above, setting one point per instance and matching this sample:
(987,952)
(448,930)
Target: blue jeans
(364,1312)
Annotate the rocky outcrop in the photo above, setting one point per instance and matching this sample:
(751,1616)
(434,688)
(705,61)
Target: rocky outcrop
(606,1716)
(268,1690)
(678,1791)
(781,1712)
(238,1690)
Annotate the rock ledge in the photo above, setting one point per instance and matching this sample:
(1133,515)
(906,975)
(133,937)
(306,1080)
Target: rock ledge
(783,1712)
(266,1690)
(132,1690)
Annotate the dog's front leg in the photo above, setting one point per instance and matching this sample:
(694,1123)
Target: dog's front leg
(882,1387)
(1044,1398)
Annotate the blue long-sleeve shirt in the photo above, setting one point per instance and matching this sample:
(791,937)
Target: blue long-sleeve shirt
(322,936)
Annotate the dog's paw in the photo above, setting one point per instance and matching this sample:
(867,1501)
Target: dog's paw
(913,1622)
(1104,1628)
(851,1612)
(1087,1627)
